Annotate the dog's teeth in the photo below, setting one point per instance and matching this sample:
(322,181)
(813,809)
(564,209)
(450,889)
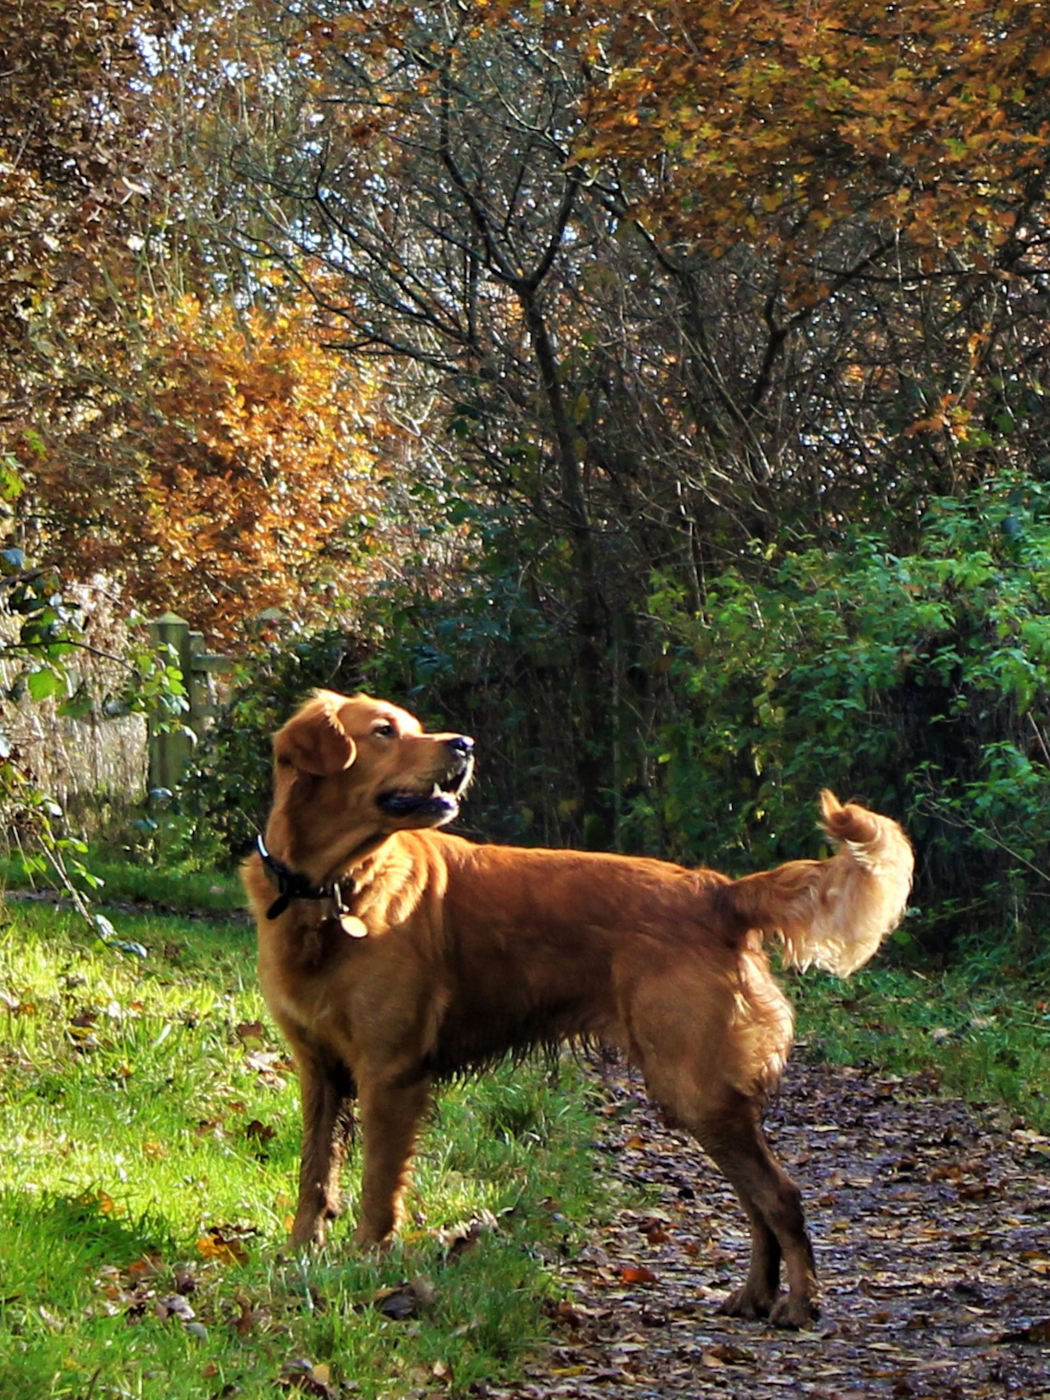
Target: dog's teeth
(437,790)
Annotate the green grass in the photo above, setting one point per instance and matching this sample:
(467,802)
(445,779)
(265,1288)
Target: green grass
(124,881)
(983,1026)
(151,1127)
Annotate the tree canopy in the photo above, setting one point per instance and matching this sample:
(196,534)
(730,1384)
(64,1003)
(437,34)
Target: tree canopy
(520,338)
(172,418)
(663,281)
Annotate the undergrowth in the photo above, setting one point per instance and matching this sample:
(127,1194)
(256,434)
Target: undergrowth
(117,880)
(982,1026)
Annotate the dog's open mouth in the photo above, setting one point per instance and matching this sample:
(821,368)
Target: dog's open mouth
(441,799)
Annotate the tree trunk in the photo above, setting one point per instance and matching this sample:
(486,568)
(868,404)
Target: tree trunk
(590,614)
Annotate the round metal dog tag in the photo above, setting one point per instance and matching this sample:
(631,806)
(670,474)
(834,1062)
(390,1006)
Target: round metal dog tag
(355,927)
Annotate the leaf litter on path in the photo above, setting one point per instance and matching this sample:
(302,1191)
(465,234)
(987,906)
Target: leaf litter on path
(931,1223)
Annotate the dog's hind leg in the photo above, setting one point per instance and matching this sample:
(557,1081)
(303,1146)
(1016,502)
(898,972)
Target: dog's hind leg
(390,1116)
(727,1124)
(758,1295)
(327,1092)
(734,1139)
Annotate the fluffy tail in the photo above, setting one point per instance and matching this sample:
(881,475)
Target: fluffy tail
(833,913)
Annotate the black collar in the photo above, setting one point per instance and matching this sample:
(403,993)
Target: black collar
(292,884)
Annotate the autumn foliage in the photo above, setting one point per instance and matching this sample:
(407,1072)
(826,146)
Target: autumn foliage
(168,420)
(781,122)
(71,151)
(219,470)
(702,266)
(660,296)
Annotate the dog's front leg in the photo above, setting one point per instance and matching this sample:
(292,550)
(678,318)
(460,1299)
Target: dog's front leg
(327,1090)
(390,1117)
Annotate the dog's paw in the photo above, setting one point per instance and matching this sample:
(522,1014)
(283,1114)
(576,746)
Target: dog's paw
(308,1236)
(786,1310)
(747,1303)
(794,1313)
(367,1239)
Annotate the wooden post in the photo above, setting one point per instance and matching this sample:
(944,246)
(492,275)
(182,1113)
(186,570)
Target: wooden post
(170,750)
(203,665)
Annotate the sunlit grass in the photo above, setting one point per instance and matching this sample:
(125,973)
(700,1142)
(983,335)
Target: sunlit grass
(151,1127)
(132,881)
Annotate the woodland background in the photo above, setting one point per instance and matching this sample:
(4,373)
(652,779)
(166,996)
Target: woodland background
(659,394)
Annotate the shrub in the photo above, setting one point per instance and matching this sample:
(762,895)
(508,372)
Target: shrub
(919,683)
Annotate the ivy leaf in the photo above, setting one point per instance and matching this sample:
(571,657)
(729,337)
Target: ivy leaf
(45,683)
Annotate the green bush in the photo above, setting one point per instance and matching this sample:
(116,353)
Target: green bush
(482,658)
(920,684)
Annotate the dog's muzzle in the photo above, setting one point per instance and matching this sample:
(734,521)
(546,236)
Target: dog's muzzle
(441,798)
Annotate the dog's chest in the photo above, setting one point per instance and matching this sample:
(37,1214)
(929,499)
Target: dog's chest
(305,981)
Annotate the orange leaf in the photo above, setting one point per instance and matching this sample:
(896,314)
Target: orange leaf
(224,1250)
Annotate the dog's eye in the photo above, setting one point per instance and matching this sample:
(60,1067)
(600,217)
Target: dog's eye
(385,730)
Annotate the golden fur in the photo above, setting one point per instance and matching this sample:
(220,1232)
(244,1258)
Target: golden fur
(414,954)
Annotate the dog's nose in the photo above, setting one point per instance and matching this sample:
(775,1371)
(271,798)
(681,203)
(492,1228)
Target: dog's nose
(461,744)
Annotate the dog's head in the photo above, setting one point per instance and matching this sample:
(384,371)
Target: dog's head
(362,768)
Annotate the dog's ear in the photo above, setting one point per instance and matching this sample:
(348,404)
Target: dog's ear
(315,742)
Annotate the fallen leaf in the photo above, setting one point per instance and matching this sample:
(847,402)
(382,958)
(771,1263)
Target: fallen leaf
(302,1375)
(242,1324)
(725,1354)
(174,1305)
(222,1248)
(1029,1332)
(408,1300)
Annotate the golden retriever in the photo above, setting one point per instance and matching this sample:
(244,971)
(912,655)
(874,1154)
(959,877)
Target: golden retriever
(392,954)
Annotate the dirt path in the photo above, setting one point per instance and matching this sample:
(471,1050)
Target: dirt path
(932,1229)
